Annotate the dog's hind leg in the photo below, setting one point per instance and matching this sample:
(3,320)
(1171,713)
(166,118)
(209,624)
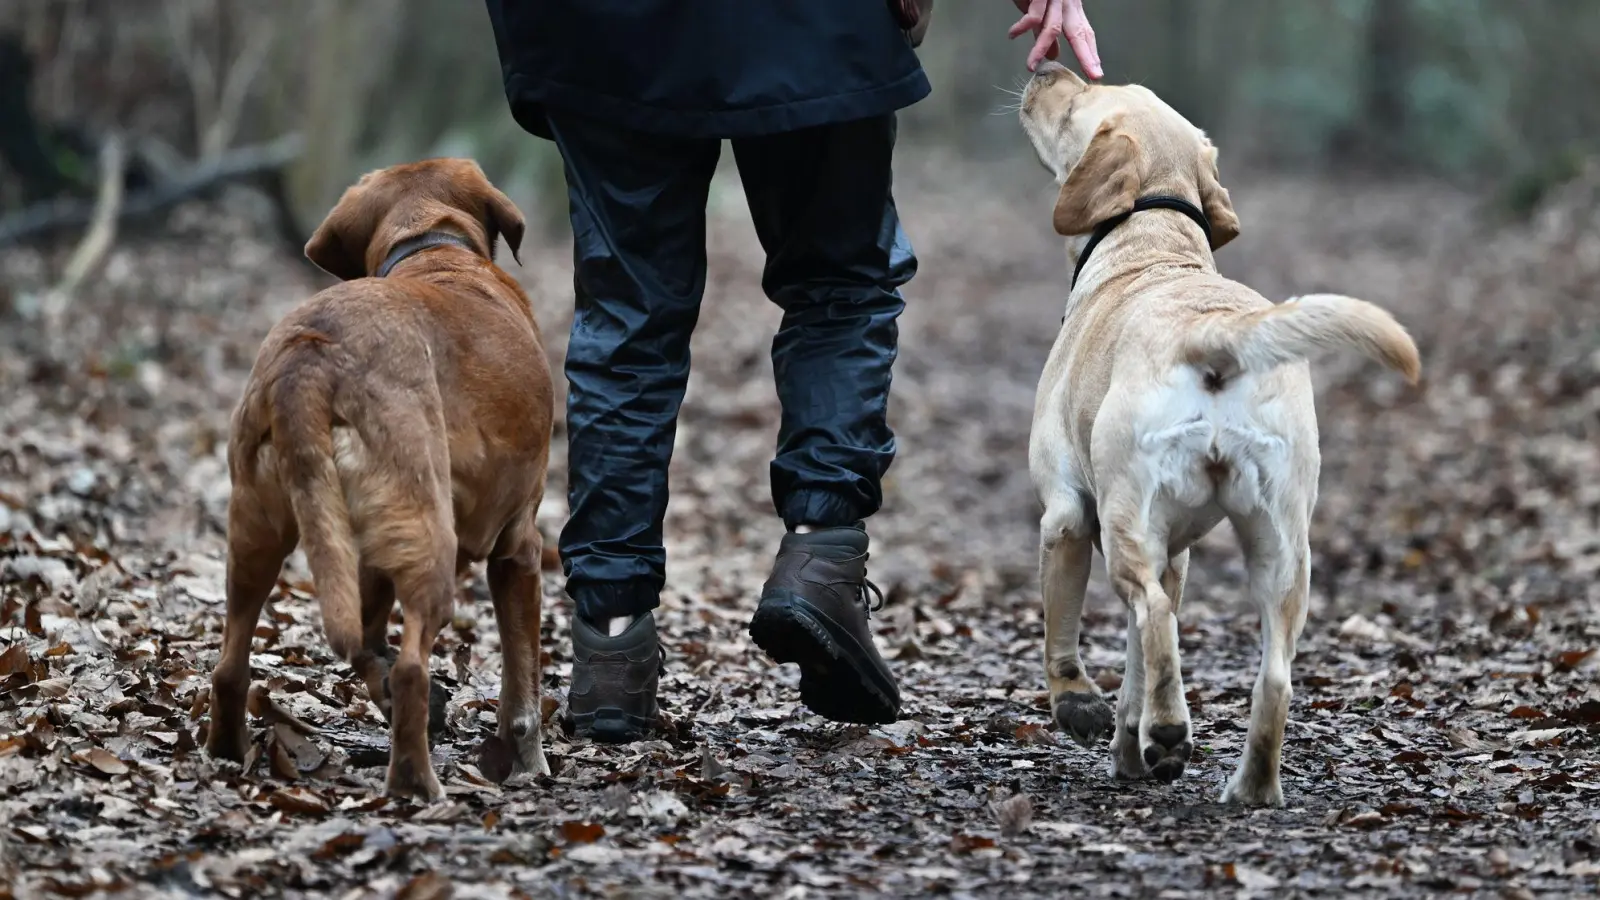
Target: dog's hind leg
(426,589)
(517,586)
(256,552)
(1064,557)
(1127,759)
(1133,559)
(1278,555)
(377,600)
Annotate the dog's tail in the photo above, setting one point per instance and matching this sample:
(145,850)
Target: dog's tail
(302,436)
(1262,339)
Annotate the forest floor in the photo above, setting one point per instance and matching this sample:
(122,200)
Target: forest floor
(1445,723)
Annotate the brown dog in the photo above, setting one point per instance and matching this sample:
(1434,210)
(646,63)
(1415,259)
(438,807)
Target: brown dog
(398,427)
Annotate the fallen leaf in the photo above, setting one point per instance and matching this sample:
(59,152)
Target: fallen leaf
(426,886)
(261,704)
(496,759)
(1014,814)
(340,845)
(1585,713)
(710,767)
(15,661)
(575,832)
(1034,733)
(1253,879)
(281,761)
(299,801)
(1370,818)
(103,760)
(1572,659)
(441,812)
(966,843)
(54,688)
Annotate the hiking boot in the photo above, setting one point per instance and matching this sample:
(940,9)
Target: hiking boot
(614,678)
(814,612)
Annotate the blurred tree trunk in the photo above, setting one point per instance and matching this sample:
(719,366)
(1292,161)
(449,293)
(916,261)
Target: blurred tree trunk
(332,95)
(1186,90)
(1380,136)
(1388,68)
(347,47)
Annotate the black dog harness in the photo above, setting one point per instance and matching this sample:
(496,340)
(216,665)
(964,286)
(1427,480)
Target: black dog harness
(424,241)
(1144,203)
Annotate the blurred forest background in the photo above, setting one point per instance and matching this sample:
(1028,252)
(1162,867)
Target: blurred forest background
(1450,88)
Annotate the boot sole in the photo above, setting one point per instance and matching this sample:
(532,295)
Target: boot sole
(610,725)
(834,682)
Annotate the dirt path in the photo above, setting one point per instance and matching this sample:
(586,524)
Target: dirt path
(1445,723)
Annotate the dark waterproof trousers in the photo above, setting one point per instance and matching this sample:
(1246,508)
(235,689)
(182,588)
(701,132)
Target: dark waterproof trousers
(835,260)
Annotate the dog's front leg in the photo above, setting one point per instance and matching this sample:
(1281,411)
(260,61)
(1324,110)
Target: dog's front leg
(517,587)
(1064,557)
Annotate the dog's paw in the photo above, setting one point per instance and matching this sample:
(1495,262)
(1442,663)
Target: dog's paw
(1244,790)
(228,745)
(413,782)
(1166,750)
(1087,717)
(1127,764)
(1237,794)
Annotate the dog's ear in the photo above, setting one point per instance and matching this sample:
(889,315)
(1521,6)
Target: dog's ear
(503,217)
(1214,199)
(339,246)
(1104,183)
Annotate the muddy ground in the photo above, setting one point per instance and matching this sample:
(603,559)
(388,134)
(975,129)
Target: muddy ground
(1445,723)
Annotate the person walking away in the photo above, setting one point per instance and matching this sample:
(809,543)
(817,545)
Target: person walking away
(638,97)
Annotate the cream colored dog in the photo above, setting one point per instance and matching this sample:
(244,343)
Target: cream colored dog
(1172,399)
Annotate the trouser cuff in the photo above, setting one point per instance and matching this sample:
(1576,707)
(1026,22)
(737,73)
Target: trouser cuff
(600,601)
(821,509)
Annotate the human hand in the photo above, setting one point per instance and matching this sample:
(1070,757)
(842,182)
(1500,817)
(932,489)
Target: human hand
(1050,20)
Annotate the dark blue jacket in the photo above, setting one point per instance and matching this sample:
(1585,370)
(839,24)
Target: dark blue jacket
(705,68)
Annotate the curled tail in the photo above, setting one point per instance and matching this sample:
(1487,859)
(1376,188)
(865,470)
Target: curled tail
(302,436)
(1293,330)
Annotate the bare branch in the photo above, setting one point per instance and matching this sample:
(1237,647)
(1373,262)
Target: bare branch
(236,84)
(235,165)
(96,241)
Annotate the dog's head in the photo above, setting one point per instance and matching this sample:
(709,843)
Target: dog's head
(391,205)
(1108,145)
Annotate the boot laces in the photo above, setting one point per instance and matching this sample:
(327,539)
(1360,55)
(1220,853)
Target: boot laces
(867,587)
